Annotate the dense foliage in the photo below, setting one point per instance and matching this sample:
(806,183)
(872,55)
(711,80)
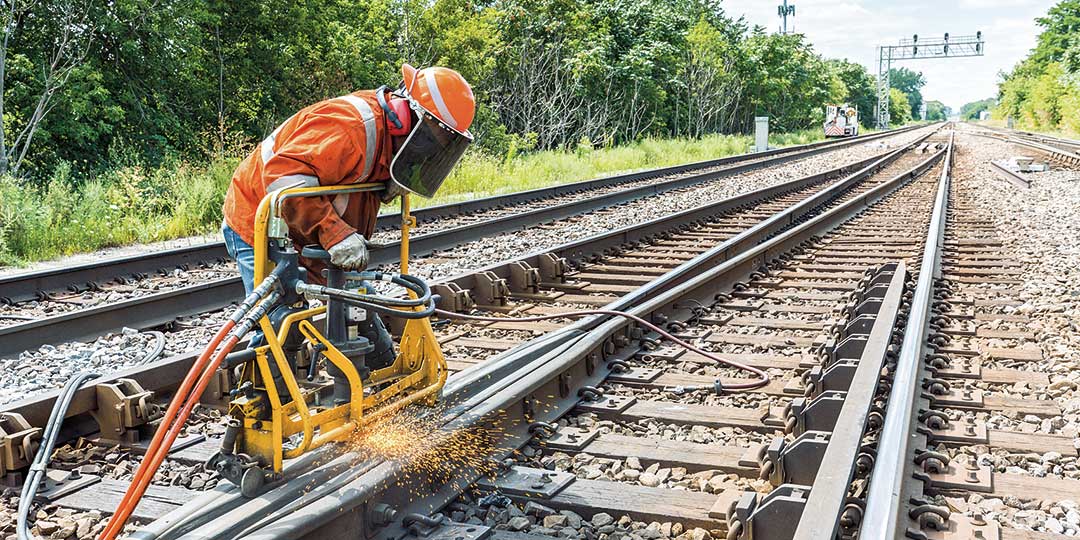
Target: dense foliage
(1042,92)
(971,111)
(94,84)
(937,111)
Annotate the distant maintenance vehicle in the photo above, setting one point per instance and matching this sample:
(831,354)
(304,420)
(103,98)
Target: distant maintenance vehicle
(841,121)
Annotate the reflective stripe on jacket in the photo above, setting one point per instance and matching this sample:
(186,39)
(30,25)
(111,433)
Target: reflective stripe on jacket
(334,142)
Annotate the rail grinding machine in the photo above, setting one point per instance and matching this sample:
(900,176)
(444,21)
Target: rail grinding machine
(314,377)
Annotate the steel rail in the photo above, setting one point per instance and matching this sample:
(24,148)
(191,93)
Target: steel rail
(490,401)
(162,376)
(828,494)
(82,277)
(155,309)
(884,502)
(1010,175)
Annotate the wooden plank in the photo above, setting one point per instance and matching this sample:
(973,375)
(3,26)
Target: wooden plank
(541,326)
(1013,376)
(990,333)
(588,299)
(1024,354)
(607,288)
(694,457)
(1008,533)
(691,508)
(1028,487)
(797,308)
(817,285)
(644,270)
(1041,443)
(835,274)
(761,340)
(823,297)
(635,262)
(1038,407)
(672,380)
(758,360)
(782,324)
(694,414)
(490,344)
(105,496)
(612,278)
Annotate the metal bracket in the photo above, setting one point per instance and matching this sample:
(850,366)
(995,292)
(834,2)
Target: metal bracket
(797,461)
(552,269)
(459,531)
(18,442)
(489,289)
(836,377)
(958,398)
(60,483)
(524,278)
(528,482)
(851,347)
(968,477)
(963,433)
(570,439)
(123,407)
(607,405)
(453,298)
(961,528)
(635,375)
(770,517)
(819,413)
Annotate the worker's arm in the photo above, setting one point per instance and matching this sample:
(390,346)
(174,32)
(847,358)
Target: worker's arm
(322,151)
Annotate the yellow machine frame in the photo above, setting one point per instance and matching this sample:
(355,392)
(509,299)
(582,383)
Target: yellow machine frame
(417,375)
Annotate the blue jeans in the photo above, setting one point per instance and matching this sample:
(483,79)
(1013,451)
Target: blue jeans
(243,254)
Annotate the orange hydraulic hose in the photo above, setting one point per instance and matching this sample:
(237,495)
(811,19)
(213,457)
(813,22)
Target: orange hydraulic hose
(146,469)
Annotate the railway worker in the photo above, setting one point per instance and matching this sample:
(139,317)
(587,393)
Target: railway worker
(409,138)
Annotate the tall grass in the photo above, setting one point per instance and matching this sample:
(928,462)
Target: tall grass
(135,204)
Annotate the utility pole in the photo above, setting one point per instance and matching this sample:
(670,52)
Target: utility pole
(913,49)
(783,11)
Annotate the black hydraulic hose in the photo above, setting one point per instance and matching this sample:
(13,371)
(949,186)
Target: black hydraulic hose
(159,347)
(36,475)
(403,308)
(763,377)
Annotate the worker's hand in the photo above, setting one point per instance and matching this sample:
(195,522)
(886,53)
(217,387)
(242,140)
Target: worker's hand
(350,253)
(393,191)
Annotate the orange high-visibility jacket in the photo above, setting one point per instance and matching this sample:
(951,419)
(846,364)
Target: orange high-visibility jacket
(333,142)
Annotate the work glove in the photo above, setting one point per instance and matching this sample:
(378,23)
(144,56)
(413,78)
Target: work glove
(350,253)
(392,191)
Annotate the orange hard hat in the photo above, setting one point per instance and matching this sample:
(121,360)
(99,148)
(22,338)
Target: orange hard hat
(443,92)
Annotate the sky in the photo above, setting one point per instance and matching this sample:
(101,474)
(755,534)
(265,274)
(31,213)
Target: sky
(853,28)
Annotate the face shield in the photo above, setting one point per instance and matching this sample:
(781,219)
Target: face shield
(428,154)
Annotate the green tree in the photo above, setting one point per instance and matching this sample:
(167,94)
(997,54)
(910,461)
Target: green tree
(937,111)
(970,111)
(899,107)
(910,83)
(860,85)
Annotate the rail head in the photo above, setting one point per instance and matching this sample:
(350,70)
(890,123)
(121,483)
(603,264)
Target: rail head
(885,497)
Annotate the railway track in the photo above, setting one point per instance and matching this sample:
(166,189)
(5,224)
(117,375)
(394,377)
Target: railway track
(1065,152)
(697,252)
(116,294)
(876,300)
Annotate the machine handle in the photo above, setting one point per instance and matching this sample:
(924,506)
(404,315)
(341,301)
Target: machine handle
(314,251)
